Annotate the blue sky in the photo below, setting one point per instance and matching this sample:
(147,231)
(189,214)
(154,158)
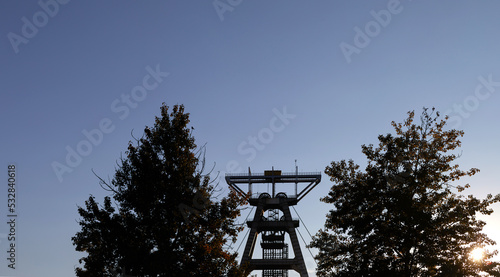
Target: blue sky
(70,67)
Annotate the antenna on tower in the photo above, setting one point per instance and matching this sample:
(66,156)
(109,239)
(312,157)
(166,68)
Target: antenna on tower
(296,176)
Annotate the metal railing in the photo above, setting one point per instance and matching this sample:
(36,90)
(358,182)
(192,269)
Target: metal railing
(281,222)
(263,174)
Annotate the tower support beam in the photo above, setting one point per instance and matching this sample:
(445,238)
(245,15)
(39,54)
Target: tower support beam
(275,261)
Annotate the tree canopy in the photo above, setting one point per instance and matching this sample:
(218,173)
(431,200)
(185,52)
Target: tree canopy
(163,217)
(405,214)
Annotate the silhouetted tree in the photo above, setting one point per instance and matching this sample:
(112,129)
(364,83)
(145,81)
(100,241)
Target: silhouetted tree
(403,216)
(166,219)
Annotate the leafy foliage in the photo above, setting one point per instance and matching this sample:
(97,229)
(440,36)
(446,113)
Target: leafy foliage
(167,220)
(402,216)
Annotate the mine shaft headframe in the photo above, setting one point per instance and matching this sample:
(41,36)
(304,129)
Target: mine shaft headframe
(312,179)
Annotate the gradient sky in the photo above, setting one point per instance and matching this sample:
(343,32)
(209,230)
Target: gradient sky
(337,73)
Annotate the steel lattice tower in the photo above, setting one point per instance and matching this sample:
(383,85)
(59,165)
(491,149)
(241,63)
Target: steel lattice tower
(273,246)
(273,227)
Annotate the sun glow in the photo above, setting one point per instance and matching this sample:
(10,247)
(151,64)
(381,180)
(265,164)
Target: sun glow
(477,254)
